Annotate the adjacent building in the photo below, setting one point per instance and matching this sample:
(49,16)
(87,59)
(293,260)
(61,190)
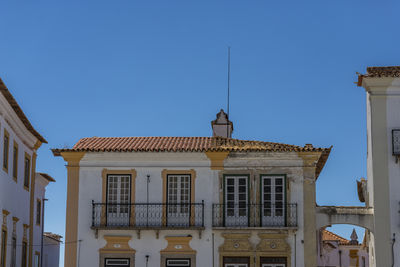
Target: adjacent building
(191,201)
(22,189)
(337,251)
(381,190)
(51,249)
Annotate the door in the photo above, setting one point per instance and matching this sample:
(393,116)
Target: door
(273,201)
(236,201)
(118,200)
(117,263)
(178,205)
(178,262)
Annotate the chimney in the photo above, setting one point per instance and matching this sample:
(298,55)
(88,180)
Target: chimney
(222,126)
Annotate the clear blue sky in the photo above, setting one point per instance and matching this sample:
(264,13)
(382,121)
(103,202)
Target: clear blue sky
(158,68)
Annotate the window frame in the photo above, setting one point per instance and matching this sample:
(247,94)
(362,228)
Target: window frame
(37,256)
(285,193)
(13,251)
(27,172)
(38,211)
(24,253)
(15,162)
(6,150)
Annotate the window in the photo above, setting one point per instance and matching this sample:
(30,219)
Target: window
(15,161)
(273,200)
(24,253)
(37,259)
(118,199)
(178,262)
(178,200)
(236,200)
(14,252)
(38,211)
(27,167)
(236,262)
(117,262)
(6,144)
(3,248)
(273,261)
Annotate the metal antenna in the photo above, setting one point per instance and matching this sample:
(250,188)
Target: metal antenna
(229,83)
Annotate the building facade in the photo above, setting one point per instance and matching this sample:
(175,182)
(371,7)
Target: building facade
(337,251)
(21,188)
(382,86)
(51,249)
(191,201)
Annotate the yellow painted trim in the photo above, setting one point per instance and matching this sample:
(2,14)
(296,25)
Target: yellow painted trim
(192,173)
(217,159)
(6,134)
(117,244)
(37,145)
(236,245)
(178,245)
(15,162)
(6,212)
(15,219)
(353,253)
(71,224)
(27,156)
(25,234)
(104,174)
(32,205)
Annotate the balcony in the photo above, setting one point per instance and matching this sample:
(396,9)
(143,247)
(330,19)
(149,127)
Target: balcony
(244,215)
(147,216)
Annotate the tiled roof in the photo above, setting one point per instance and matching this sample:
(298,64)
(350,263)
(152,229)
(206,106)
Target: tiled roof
(180,144)
(390,71)
(17,109)
(329,236)
(53,236)
(186,144)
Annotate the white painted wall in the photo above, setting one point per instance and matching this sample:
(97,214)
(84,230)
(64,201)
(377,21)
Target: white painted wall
(385,198)
(13,197)
(207,188)
(51,252)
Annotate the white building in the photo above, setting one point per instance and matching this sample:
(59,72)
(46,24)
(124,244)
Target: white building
(382,85)
(21,188)
(51,249)
(191,201)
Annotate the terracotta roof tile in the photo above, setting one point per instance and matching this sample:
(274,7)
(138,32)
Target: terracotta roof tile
(17,109)
(187,144)
(389,71)
(329,236)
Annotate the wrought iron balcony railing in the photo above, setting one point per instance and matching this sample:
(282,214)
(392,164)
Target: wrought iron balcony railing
(255,215)
(147,215)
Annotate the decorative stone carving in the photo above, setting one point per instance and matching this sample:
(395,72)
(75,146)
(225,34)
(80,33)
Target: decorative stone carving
(236,243)
(117,244)
(178,245)
(272,242)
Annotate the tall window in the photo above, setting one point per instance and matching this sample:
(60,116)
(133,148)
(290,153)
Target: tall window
(236,200)
(15,161)
(273,200)
(3,248)
(6,144)
(178,197)
(27,167)
(24,253)
(14,252)
(38,211)
(118,199)
(37,259)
